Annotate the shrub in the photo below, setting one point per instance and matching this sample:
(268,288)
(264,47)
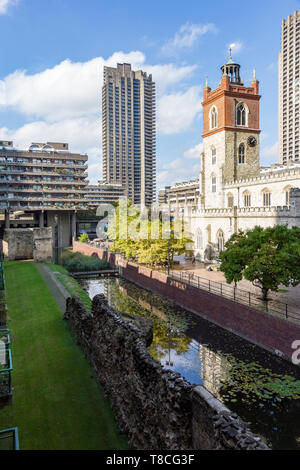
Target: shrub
(76,262)
(84,238)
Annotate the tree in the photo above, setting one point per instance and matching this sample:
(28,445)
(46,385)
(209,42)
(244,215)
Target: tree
(266,257)
(143,248)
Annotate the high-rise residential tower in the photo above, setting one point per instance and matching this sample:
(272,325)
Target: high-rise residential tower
(289,76)
(129,134)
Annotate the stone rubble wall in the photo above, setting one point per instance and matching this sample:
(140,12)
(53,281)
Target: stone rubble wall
(157,409)
(29,243)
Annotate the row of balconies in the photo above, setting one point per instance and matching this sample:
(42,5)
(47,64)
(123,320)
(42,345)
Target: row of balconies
(42,199)
(43,183)
(46,165)
(42,190)
(44,173)
(42,206)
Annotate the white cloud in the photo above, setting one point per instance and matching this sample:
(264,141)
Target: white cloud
(83,135)
(194,153)
(63,103)
(69,89)
(176,112)
(270,152)
(177,170)
(168,75)
(5,4)
(72,89)
(264,136)
(187,36)
(236,47)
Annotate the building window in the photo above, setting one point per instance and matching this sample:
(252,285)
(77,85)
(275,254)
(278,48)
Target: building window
(230,200)
(199,239)
(241,115)
(213,184)
(247,199)
(267,198)
(214,156)
(213,118)
(242,153)
(220,241)
(287,195)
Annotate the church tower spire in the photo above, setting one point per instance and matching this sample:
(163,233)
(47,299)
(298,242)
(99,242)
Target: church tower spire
(232,70)
(230,133)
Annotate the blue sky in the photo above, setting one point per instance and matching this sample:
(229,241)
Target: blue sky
(53,53)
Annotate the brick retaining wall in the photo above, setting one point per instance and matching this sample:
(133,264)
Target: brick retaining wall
(273,334)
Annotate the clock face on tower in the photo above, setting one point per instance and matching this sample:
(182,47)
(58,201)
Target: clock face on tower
(252,141)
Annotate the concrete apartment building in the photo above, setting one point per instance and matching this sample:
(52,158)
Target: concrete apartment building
(41,187)
(129,134)
(180,195)
(103,193)
(289,89)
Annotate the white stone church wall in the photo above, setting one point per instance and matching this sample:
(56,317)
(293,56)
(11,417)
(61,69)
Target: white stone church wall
(218,141)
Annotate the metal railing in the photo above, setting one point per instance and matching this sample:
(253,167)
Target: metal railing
(9,439)
(5,373)
(251,299)
(5,338)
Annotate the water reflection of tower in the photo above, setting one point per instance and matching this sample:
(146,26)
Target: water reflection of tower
(169,363)
(215,368)
(108,291)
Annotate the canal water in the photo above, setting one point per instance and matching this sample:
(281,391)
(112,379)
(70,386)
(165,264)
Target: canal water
(262,389)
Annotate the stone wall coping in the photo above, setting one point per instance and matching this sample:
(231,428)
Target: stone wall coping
(213,402)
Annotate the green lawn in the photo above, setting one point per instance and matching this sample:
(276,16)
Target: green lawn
(56,401)
(72,286)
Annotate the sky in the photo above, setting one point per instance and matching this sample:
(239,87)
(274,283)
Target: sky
(53,53)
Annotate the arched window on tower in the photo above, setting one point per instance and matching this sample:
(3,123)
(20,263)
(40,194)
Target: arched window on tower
(241,115)
(213,155)
(213,183)
(213,118)
(220,240)
(242,153)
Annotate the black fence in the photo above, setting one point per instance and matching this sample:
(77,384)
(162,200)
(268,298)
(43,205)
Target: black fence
(272,306)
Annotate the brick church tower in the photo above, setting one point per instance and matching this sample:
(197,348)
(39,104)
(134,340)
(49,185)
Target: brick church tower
(230,134)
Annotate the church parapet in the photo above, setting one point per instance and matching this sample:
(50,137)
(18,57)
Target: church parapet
(272,175)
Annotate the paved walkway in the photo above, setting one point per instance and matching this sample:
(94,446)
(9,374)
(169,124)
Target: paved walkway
(292,296)
(58,291)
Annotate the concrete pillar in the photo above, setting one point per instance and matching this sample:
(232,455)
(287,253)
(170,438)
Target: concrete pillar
(41,219)
(7,224)
(74,226)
